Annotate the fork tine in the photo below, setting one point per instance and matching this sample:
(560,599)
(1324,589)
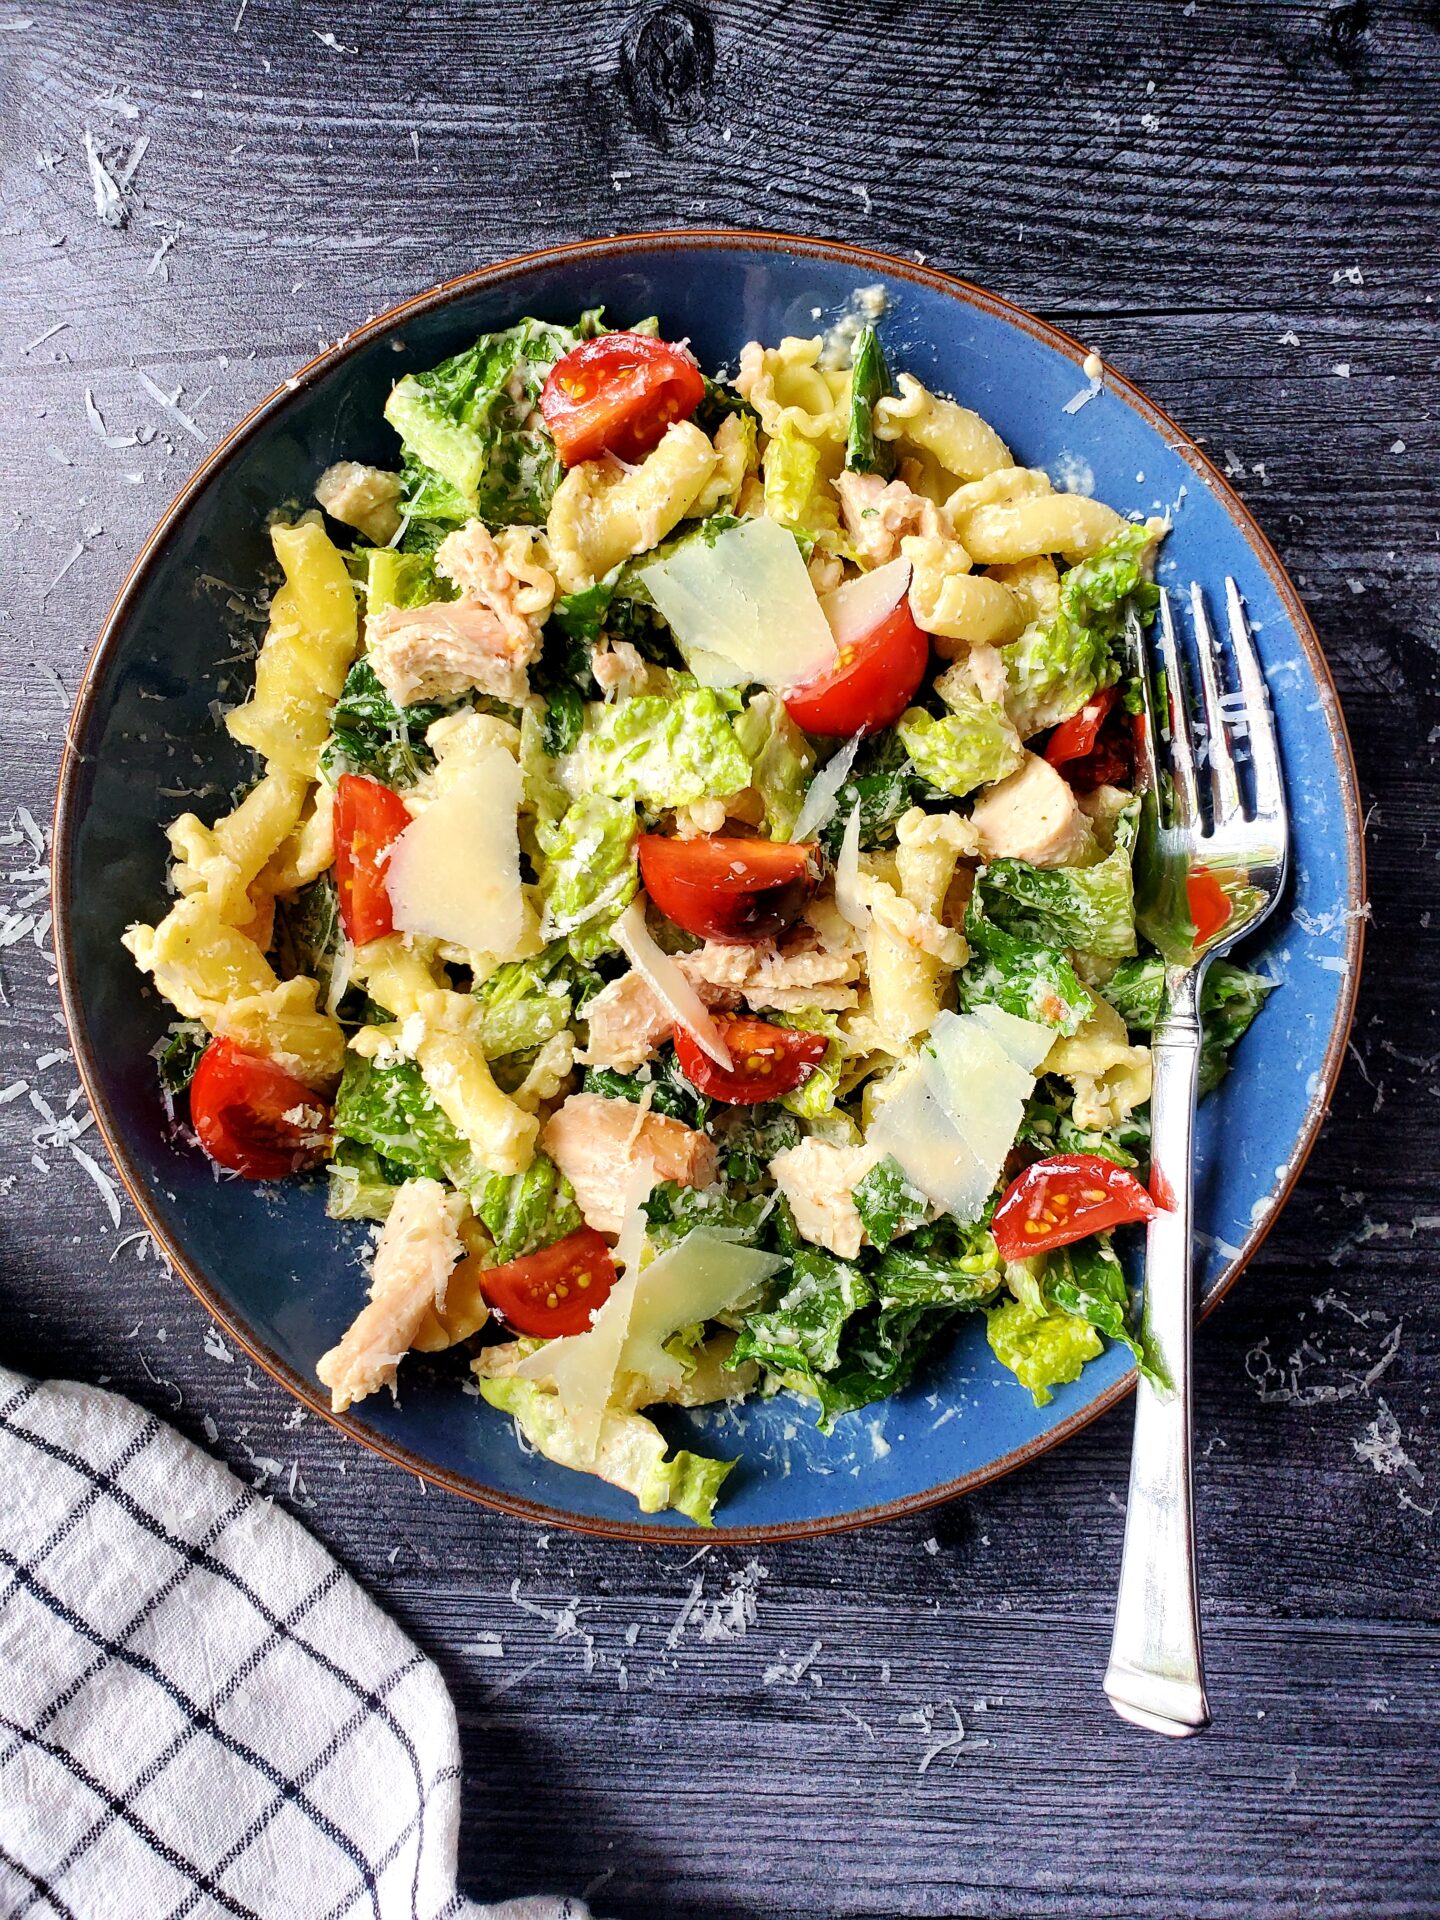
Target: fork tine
(1182,749)
(1264,754)
(1224,783)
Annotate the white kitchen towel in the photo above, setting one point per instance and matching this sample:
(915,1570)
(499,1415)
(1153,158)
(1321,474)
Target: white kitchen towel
(201,1714)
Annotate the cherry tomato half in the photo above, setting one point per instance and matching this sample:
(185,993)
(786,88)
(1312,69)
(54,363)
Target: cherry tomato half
(882,657)
(1076,737)
(369,819)
(769,1062)
(253,1116)
(618,394)
(1063,1199)
(556,1290)
(728,889)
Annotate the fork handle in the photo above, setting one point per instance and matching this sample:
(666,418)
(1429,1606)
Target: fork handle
(1156,1676)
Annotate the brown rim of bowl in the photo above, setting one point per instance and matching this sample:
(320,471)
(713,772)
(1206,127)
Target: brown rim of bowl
(864,260)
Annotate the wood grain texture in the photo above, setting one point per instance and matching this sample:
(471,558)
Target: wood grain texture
(1231,200)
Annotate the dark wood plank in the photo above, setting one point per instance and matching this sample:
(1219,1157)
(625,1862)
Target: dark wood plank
(1229,200)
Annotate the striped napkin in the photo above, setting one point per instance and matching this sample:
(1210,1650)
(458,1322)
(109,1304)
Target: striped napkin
(200,1712)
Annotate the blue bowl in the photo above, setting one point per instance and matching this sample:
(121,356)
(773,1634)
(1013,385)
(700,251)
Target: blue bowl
(281,1278)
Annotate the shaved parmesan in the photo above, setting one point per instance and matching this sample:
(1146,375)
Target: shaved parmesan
(743,609)
(823,793)
(667,982)
(454,874)
(701,1277)
(847,874)
(953,1119)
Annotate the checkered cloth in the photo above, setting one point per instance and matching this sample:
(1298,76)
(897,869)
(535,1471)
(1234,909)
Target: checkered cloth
(200,1713)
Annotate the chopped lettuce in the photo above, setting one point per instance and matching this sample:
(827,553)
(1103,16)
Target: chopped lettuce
(795,491)
(523,1211)
(469,427)
(869,381)
(882,1348)
(1031,981)
(589,870)
(801,1332)
(391,1109)
(178,1055)
(1229,1000)
(674,1211)
(780,759)
(884,784)
(1089,909)
(816,1095)
(630,1454)
(969,747)
(665,751)
(370,734)
(526,1002)
(748,1138)
(941,1264)
(1050,1127)
(308,936)
(392,578)
(1087,1280)
(358,1184)
(1056,665)
(1042,1348)
(670,1092)
(888,1204)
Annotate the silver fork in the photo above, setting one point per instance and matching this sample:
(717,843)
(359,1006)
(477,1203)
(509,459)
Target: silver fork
(1198,888)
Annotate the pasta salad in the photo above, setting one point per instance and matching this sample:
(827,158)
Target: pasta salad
(686,901)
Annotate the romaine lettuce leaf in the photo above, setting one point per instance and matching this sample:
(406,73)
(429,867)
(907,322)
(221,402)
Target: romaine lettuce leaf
(471,421)
(526,1002)
(816,1095)
(884,784)
(869,381)
(801,1332)
(370,734)
(523,1211)
(675,1211)
(1086,1279)
(664,751)
(881,1350)
(308,935)
(969,747)
(888,1204)
(358,1187)
(1055,666)
(589,871)
(780,759)
(943,1265)
(670,1092)
(1230,998)
(631,1453)
(392,578)
(1089,909)
(391,1109)
(795,491)
(1043,1349)
(1031,981)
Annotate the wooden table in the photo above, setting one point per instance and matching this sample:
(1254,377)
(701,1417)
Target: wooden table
(1234,201)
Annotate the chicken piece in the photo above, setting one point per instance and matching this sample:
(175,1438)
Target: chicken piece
(435,652)
(366,498)
(417,1249)
(470,558)
(1032,815)
(878,515)
(807,972)
(628,1022)
(597,1144)
(819,1180)
(620,669)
